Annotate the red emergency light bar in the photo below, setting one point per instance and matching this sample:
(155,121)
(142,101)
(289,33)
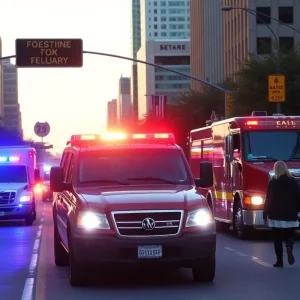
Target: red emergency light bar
(81,140)
(252,123)
(278,123)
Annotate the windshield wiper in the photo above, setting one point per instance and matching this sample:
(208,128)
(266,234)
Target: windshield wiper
(264,157)
(152,178)
(104,181)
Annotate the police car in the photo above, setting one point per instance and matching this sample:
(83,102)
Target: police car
(131,200)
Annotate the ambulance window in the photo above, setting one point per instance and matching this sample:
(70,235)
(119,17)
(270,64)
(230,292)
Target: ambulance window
(236,143)
(69,175)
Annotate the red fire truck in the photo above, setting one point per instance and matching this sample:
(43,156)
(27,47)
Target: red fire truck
(243,151)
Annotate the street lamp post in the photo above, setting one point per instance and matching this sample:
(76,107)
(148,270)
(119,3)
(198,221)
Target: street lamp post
(278,56)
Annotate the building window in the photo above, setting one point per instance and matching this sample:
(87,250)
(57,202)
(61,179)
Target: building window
(155,3)
(286,14)
(263,15)
(264,45)
(155,19)
(155,26)
(155,33)
(286,44)
(163,11)
(155,11)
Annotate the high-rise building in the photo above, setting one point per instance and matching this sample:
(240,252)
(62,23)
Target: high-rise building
(112,120)
(221,40)
(124,108)
(173,54)
(161,21)
(164,20)
(1,89)
(206,42)
(12,114)
(135,31)
(246,33)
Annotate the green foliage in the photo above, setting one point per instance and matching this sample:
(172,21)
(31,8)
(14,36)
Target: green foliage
(249,92)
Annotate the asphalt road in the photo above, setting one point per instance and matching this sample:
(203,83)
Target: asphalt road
(244,271)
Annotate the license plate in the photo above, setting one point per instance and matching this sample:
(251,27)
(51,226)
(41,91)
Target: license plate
(1,213)
(145,252)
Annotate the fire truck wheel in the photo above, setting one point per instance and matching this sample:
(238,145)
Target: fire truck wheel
(239,228)
(205,272)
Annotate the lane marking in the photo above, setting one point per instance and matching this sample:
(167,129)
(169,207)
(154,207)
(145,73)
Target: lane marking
(36,245)
(258,261)
(28,289)
(229,249)
(30,281)
(33,264)
(241,253)
(253,258)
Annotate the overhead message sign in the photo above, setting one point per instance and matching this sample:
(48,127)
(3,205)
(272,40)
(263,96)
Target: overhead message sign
(276,88)
(49,53)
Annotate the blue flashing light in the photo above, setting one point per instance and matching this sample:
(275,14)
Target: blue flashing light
(14,158)
(9,158)
(20,205)
(47,168)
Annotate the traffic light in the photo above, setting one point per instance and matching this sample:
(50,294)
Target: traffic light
(229,104)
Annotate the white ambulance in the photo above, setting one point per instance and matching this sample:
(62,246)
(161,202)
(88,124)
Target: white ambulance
(18,176)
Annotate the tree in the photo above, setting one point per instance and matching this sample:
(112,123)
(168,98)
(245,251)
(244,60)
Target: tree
(190,110)
(251,90)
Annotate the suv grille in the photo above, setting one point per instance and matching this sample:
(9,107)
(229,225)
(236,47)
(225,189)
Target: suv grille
(140,223)
(7,197)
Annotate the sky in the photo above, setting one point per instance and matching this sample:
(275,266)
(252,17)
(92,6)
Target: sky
(72,101)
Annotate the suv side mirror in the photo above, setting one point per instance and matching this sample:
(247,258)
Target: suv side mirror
(229,148)
(57,180)
(206,175)
(37,175)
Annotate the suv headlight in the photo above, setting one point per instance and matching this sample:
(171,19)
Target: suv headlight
(92,220)
(200,217)
(25,198)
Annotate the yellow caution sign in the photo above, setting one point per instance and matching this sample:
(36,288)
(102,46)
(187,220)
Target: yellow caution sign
(277,88)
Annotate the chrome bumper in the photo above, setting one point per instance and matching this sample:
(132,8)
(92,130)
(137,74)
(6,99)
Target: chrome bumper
(254,218)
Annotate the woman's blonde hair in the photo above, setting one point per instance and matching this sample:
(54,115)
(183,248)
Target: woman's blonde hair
(280,168)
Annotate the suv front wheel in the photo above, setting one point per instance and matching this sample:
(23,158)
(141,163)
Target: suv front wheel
(205,271)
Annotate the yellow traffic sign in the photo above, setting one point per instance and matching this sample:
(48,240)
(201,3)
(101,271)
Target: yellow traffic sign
(276,88)
(229,103)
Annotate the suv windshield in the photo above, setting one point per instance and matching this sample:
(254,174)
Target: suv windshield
(16,174)
(272,145)
(133,166)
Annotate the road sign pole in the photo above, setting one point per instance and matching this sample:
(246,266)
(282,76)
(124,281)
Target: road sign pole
(278,72)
